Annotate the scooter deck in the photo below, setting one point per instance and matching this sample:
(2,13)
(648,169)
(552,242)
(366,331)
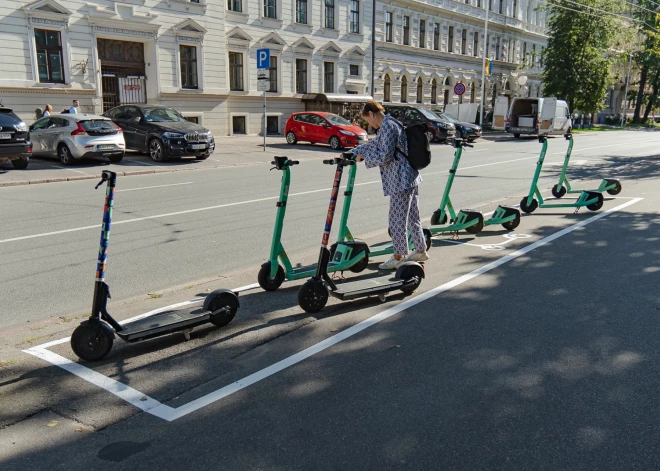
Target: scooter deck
(164,323)
(370,287)
(310,270)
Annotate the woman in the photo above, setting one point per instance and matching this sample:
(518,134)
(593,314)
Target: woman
(400,183)
(47,111)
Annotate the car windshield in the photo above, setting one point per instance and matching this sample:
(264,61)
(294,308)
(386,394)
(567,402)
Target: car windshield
(447,117)
(337,120)
(428,114)
(159,115)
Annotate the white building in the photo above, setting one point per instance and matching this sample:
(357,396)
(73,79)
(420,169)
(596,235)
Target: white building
(197,56)
(424,48)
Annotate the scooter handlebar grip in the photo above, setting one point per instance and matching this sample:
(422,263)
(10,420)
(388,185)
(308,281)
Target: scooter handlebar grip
(293,162)
(329,162)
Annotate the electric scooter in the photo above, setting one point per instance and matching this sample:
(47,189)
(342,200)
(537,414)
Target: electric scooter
(354,254)
(470,220)
(611,185)
(313,294)
(593,200)
(93,338)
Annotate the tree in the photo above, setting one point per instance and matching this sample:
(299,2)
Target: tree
(648,58)
(577,60)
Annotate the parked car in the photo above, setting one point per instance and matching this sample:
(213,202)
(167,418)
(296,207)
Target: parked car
(524,116)
(71,137)
(162,132)
(438,130)
(325,128)
(14,139)
(464,130)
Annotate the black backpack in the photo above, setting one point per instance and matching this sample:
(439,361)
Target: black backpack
(66,110)
(419,150)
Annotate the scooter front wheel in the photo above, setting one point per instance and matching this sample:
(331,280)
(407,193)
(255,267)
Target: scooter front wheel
(313,296)
(218,300)
(91,342)
(428,238)
(268,283)
(558,191)
(528,209)
(438,218)
(407,272)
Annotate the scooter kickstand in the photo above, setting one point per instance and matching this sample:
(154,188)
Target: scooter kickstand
(382,298)
(186,333)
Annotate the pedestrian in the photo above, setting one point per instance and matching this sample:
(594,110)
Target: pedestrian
(74,108)
(400,183)
(47,111)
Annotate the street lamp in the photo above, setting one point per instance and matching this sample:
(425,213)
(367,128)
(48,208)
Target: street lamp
(483,67)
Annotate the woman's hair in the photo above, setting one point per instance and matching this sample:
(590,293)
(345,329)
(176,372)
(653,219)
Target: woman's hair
(48,108)
(373,107)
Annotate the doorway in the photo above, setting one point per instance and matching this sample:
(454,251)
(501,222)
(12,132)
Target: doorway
(123,79)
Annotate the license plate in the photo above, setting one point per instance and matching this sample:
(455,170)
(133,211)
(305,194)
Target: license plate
(106,147)
(5,135)
(199,146)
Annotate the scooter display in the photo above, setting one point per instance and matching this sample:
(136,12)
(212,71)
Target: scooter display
(92,340)
(313,294)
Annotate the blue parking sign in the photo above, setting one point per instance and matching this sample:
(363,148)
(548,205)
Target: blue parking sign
(263,58)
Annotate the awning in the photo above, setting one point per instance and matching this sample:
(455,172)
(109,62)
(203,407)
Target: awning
(336,98)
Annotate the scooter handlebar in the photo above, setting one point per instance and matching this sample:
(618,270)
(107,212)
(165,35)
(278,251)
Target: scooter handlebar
(339,160)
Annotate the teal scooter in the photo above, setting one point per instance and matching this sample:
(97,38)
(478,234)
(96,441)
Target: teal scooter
(610,185)
(592,199)
(347,254)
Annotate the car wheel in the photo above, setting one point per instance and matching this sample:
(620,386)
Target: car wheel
(291,138)
(115,159)
(64,154)
(335,143)
(156,150)
(20,164)
(516,136)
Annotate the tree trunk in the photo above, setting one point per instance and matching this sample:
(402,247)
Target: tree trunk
(654,95)
(640,94)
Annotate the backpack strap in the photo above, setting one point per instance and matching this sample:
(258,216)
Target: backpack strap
(403,128)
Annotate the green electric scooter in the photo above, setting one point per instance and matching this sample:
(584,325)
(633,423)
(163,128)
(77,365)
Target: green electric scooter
(348,254)
(470,220)
(593,200)
(611,185)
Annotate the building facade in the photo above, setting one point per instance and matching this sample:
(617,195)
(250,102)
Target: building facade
(424,48)
(197,56)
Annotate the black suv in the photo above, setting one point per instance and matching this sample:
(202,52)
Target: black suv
(14,139)
(162,132)
(438,130)
(464,130)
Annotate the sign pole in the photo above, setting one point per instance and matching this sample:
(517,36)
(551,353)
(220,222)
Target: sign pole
(264,120)
(483,68)
(263,80)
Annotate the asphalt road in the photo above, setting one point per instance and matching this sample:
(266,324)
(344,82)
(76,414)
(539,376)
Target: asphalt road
(176,228)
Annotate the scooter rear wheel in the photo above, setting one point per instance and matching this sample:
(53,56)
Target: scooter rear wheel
(218,300)
(511,225)
(558,192)
(268,283)
(361,265)
(597,205)
(476,228)
(91,342)
(313,296)
(616,190)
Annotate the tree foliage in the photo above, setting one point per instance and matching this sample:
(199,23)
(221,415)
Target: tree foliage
(647,58)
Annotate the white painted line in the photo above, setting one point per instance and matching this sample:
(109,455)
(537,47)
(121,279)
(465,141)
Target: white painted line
(601,147)
(168,413)
(72,170)
(156,186)
(144,163)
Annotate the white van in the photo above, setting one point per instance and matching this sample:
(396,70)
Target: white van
(525,116)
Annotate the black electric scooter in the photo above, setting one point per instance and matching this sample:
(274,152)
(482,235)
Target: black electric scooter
(93,338)
(313,295)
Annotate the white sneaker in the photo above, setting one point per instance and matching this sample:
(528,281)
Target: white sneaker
(417,257)
(391,264)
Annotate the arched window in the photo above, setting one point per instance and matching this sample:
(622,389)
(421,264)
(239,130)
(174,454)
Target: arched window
(420,90)
(404,90)
(387,90)
(494,94)
(434,91)
(473,92)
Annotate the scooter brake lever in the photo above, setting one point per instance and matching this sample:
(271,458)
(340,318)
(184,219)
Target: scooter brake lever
(99,184)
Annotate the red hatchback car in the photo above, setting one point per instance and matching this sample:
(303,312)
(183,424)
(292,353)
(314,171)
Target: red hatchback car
(325,128)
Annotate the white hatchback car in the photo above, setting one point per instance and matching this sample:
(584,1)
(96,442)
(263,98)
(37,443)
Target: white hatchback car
(71,137)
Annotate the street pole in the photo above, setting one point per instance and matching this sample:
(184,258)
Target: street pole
(264,120)
(625,95)
(483,68)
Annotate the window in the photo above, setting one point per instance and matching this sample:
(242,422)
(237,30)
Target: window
(434,92)
(329,77)
(188,66)
(301,75)
(524,52)
(514,12)
(272,125)
(387,90)
(534,61)
(488,47)
(497,48)
(355,16)
(464,41)
(436,36)
(420,90)
(353,69)
(512,51)
(501,6)
(450,42)
(473,92)
(234,5)
(270,8)
(330,14)
(272,77)
(236,71)
(406,30)
(446,97)
(238,125)
(193,119)
(301,11)
(475,47)
(422,33)
(404,90)
(478,3)
(49,56)
(388,27)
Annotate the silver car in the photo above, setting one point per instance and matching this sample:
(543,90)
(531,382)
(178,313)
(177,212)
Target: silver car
(70,137)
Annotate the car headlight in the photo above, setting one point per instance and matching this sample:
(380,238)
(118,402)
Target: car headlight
(348,133)
(210,136)
(21,126)
(173,135)
(441,125)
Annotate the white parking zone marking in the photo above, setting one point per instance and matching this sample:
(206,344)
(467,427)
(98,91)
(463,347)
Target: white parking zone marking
(496,247)
(70,169)
(163,411)
(156,186)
